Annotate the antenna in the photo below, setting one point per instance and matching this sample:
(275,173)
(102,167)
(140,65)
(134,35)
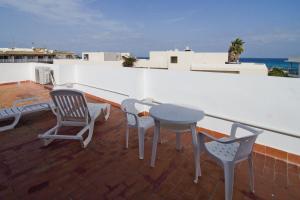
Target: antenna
(14,42)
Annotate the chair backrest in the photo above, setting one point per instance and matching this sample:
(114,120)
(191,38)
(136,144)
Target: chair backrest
(246,142)
(71,105)
(128,105)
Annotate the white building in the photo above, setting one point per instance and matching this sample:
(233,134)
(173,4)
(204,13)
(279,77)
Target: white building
(99,57)
(199,61)
(295,61)
(179,60)
(41,55)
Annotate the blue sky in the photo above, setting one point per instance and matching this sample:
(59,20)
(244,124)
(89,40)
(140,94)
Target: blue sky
(270,28)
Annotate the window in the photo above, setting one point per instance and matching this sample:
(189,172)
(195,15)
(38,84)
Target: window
(85,56)
(174,59)
(19,57)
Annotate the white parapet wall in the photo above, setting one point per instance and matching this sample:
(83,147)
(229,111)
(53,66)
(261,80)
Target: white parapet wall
(13,72)
(16,72)
(128,82)
(261,100)
(241,69)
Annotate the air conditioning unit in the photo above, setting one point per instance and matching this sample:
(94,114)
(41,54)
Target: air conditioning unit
(42,75)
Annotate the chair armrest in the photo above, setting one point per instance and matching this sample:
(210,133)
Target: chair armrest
(147,102)
(202,133)
(235,126)
(133,114)
(227,140)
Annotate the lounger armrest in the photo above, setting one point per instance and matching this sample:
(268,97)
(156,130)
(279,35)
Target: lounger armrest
(52,107)
(108,107)
(16,102)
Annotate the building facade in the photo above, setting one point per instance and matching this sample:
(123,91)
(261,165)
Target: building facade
(23,55)
(96,57)
(188,60)
(295,64)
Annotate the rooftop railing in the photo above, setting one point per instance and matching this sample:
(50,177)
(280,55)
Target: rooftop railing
(25,60)
(216,116)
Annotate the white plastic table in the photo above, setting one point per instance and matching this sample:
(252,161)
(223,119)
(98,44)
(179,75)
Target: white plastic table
(179,119)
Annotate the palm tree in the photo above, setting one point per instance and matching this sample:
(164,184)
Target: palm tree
(235,50)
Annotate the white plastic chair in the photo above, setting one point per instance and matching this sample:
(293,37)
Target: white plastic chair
(73,110)
(230,151)
(134,121)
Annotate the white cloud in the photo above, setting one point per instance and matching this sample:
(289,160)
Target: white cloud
(93,29)
(71,12)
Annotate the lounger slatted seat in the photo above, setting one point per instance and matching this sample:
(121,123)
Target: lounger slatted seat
(72,109)
(16,112)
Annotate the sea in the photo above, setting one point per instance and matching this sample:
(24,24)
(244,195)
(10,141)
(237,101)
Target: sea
(280,63)
(270,62)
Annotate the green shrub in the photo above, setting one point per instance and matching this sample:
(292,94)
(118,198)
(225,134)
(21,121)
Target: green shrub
(277,72)
(128,61)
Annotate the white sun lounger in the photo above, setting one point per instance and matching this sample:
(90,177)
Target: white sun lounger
(72,109)
(15,112)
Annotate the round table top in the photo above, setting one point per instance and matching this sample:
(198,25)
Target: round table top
(175,114)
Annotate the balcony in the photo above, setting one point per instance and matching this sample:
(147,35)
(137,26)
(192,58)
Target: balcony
(106,170)
(27,60)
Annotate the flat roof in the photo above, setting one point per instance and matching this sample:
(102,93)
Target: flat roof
(295,59)
(106,170)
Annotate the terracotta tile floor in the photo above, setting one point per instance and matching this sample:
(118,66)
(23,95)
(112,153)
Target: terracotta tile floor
(105,170)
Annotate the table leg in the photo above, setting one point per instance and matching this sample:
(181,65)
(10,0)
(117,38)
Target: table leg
(178,142)
(196,153)
(155,141)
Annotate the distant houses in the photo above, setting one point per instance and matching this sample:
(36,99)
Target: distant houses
(295,62)
(23,55)
(188,60)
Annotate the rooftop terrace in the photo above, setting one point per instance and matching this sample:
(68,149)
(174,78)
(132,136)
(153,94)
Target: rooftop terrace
(106,170)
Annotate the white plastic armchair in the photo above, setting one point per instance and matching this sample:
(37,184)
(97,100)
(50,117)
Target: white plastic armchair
(230,151)
(143,123)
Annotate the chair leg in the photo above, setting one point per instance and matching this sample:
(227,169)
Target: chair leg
(52,131)
(90,135)
(12,125)
(161,141)
(178,142)
(154,144)
(251,174)
(141,134)
(126,137)
(229,179)
(196,153)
